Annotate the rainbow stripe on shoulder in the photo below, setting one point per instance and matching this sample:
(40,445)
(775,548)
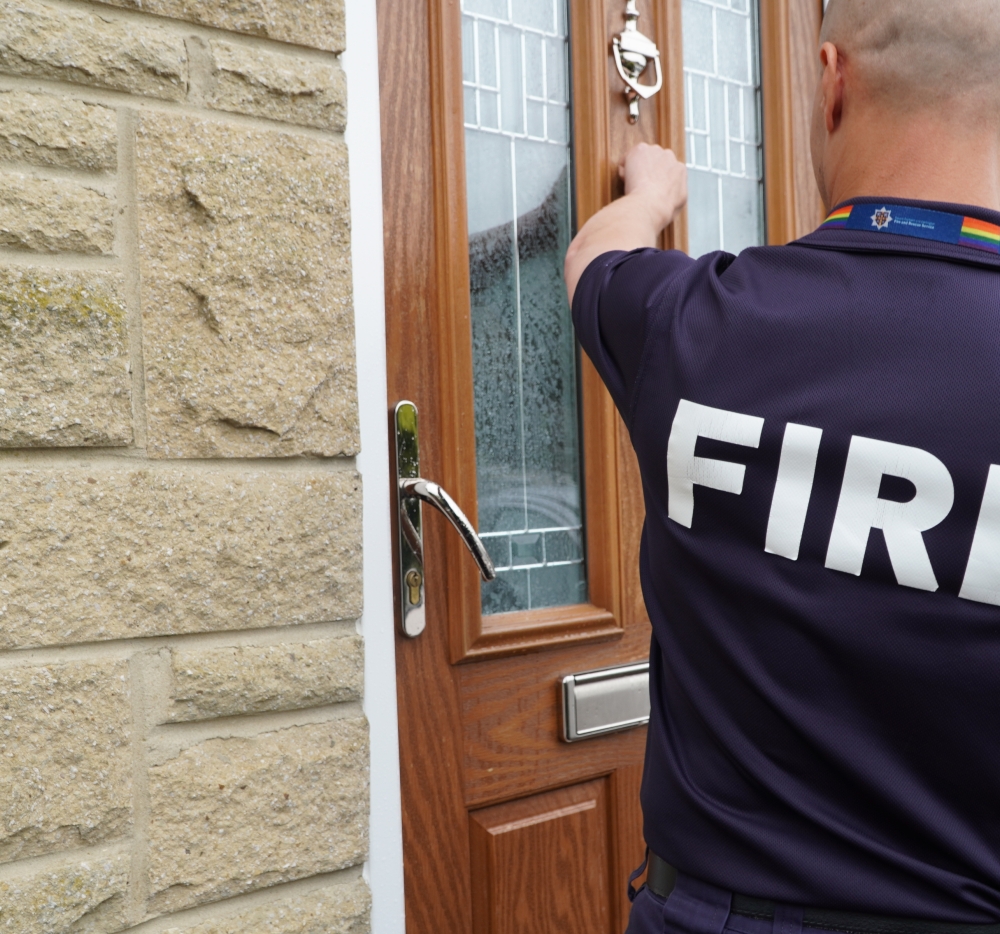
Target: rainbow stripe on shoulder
(980,235)
(838,218)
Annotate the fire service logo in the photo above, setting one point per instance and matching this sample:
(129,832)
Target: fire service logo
(882,218)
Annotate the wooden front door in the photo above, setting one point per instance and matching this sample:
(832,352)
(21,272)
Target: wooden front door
(506,827)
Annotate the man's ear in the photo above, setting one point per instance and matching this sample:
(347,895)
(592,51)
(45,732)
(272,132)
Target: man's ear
(832,84)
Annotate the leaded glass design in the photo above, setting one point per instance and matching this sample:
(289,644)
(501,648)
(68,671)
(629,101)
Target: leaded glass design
(723,124)
(518,175)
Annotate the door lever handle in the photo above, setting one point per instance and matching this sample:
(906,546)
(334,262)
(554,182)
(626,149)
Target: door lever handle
(633,52)
(411,491)
(438,497)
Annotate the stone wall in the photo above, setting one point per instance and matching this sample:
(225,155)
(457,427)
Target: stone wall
(182,745)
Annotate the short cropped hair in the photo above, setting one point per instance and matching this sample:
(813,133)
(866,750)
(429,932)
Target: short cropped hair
(921,53)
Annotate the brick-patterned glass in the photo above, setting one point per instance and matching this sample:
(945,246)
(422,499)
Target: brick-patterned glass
(723,124)
(515,59)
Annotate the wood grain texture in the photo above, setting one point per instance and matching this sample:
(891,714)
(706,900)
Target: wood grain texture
(788,33)
(541,865)
(776,92)
(511,718)
(471,635)
(453,321)
(602,493)
(505,634)
(435,823)
(670,101)
(591,149)
(485,733)
(633,516)
(622,135)
(629,848)
(804,20)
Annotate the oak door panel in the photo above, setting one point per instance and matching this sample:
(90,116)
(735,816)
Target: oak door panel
(633,517)
(436,840)
(511,716)
(804,20)
(541,864)
(624,135)
(556,827)
(625,785)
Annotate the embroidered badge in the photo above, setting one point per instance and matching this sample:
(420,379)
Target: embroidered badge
(922,223)
(882,218)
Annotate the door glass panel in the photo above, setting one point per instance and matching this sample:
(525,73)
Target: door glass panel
(723,124)
(518,174)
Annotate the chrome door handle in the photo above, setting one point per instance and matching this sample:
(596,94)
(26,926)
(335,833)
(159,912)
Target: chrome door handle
(411,490)
(633,52)
(438,497)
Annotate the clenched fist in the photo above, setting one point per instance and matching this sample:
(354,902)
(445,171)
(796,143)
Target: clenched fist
(653,174)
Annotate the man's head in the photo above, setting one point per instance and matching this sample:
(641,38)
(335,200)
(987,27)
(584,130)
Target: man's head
(904,64)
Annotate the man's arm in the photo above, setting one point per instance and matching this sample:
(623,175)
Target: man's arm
(655,190)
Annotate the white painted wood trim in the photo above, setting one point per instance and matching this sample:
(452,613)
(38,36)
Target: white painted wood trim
(384,869)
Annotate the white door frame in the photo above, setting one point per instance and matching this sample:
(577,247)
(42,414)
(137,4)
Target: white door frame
(384,868)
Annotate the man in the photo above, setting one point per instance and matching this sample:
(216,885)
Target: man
(818,428)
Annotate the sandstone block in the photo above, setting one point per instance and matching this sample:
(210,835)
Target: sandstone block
(47,130)
(63,359)
(71,897)
(282,87)
(318,24)
(68,45)
(338,909)
(54,216)
(91,553)
(65,764)
(232,815)
(248,333)
(239,680)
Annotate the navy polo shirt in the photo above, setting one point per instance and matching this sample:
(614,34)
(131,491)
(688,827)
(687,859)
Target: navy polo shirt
(817,427)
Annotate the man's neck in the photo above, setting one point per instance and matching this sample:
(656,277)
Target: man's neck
(916,158)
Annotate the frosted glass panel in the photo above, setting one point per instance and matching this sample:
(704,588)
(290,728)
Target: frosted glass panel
(518,175)
(722,119)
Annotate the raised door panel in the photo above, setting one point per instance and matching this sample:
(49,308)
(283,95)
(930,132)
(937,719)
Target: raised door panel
(543,864)
(511,722)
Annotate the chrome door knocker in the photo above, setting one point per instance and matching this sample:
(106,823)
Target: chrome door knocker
(633,52)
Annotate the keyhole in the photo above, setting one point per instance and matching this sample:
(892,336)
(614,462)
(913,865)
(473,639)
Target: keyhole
(413,581)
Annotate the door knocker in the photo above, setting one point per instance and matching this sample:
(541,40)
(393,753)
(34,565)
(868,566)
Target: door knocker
(633,52)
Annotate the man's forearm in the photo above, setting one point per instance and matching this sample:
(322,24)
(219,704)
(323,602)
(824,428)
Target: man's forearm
(625,224)
(655,190)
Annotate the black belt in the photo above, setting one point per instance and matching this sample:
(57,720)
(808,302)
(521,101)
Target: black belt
(661,878)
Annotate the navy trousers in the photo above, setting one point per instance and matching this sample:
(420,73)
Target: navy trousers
(695,907)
